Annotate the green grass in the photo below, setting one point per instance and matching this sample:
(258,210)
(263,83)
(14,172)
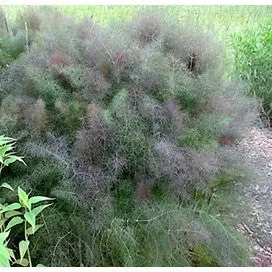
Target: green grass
(253,53)
(231,18)
(226,18)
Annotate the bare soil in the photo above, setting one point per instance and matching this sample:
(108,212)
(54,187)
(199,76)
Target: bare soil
(257,225)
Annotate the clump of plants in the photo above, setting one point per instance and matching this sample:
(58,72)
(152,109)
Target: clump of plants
(120,124)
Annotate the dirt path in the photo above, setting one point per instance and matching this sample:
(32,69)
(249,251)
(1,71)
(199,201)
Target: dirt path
(258,196)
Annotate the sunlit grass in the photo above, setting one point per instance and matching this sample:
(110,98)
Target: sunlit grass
(225,18)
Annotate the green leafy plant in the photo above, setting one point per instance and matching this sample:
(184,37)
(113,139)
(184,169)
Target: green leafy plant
(7,155)
(19,213)
(22,212)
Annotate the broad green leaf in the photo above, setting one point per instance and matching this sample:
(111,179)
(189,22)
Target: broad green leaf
(31,219)
(14,221)
(12,159)
(10,214)
(3,236)
(28,205)
(23,246)
(7,186)
(23,262)
(39,209)
(6,243)
(11,207)
(2,222)
(23,197)
(29,231)
(6,140)
(3,137)
(36,199)
(4,256)
(4,149)
(11,254)
(20,159)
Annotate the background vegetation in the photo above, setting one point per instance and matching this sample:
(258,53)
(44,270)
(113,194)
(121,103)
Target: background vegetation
(132,127)
(253,52)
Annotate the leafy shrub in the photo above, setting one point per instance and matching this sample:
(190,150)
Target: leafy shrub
(16,213)
(252,51)
(11,216)
(135,118)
